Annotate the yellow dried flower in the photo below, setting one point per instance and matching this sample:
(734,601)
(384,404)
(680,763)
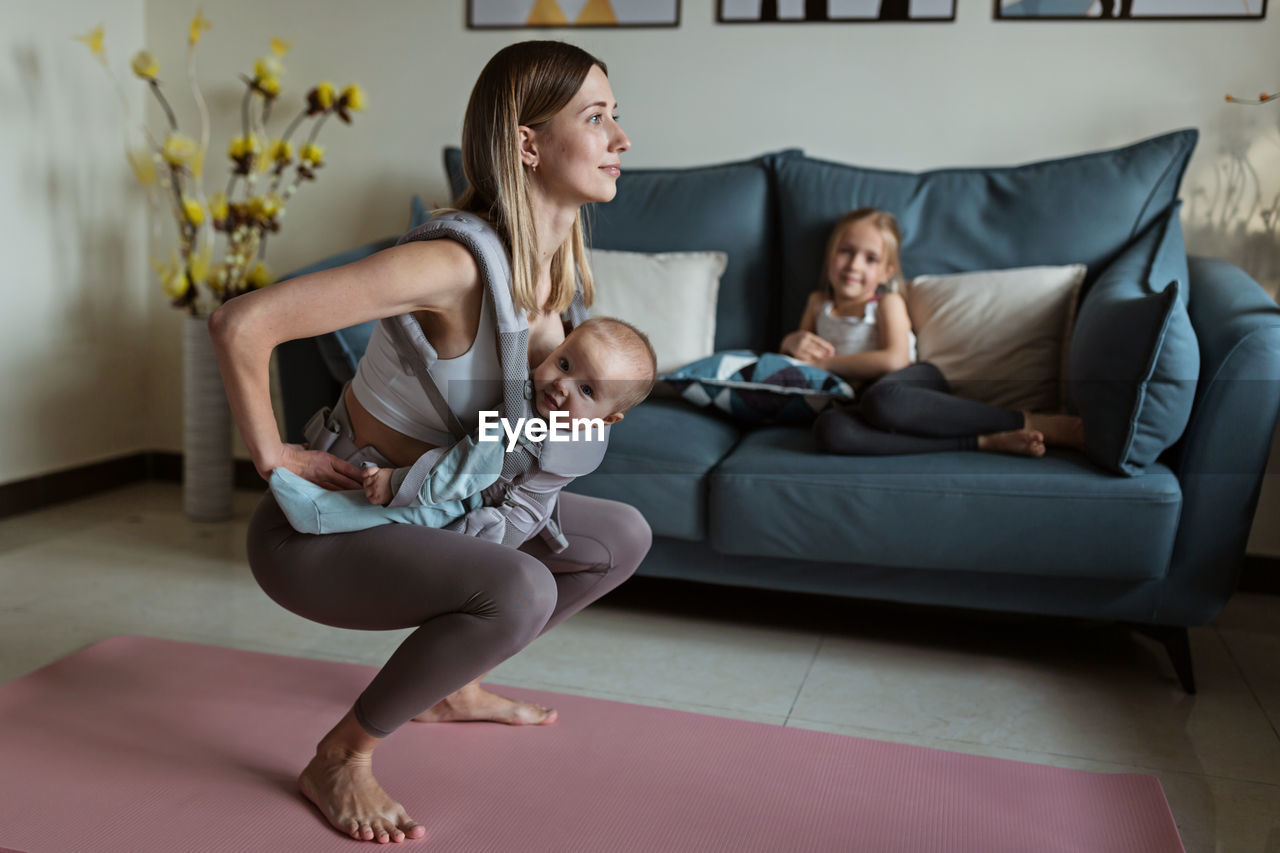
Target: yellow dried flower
(198,25)
(280,47)
(269,86)
(259,277)
(200,263)
(180,149)
(311,153)
(95,40)
(144,168)
(197,163)
(268,66)
(265,206)
(218,207)
(193,211)
(145,65)
(324,94)
(217,278)
(242,146)
(173,277)
(282,152)
(353,97)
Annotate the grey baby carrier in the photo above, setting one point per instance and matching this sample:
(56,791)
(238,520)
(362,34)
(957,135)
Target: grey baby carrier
(569,459)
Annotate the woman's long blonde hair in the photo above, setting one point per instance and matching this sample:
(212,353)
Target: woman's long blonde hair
(523,84)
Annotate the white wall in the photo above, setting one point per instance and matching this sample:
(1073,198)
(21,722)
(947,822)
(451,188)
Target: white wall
(911,96)
(74,326)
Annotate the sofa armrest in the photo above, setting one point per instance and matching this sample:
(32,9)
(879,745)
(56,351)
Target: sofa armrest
(307,382)
(1223,452)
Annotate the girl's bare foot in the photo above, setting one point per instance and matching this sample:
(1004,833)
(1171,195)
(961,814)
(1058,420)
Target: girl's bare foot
(1020,442)
(475,703)
(377,485)
(1058,430)
(339,782)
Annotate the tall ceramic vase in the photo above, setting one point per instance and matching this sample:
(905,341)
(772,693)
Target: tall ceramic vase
(206,428)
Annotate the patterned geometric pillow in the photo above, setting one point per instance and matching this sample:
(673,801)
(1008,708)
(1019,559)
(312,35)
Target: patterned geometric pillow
(759,387)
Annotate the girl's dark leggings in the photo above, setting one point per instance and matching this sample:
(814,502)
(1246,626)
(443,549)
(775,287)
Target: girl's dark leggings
(473,603)
(909,411)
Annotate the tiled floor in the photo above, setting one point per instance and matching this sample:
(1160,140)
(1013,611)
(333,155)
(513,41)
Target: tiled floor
(1071,694)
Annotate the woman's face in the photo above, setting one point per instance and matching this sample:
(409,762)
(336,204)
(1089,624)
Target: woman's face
(578,149)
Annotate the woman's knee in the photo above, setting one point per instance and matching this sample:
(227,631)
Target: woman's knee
(629,537)
(523,599)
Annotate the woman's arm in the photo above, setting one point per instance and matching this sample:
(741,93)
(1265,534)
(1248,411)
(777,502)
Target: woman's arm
(424,275)
(804,342)
(894,327)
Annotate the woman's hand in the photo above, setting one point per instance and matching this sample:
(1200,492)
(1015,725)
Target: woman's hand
(316,466)
(807,347)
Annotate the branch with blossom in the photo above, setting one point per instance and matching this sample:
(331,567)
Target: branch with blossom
(260,186)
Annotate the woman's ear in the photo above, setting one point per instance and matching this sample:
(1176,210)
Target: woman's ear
(528,145)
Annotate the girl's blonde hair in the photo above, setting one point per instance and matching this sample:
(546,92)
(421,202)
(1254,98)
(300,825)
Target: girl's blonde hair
(886,224)
(523,84)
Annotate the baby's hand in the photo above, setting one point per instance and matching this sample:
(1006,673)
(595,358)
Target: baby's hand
(377,485)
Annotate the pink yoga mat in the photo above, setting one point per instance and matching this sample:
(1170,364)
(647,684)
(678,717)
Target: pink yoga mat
(137,744)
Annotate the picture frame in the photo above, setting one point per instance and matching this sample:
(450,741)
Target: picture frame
(1130,10)
(574,14)
(834,11)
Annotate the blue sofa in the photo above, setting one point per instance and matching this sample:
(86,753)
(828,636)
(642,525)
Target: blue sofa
(758,507)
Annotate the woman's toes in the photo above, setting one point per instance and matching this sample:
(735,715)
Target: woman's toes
(411,828)
(366,832)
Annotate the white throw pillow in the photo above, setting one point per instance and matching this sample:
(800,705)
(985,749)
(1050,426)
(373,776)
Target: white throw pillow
(998,336)
(670,296)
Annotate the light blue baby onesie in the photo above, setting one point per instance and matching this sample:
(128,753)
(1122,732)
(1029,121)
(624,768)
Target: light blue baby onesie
(451,489)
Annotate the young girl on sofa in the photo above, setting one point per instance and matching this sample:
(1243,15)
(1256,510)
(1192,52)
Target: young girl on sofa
(857,327)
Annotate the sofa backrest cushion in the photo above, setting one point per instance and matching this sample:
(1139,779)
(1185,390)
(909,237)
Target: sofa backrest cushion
(1083,209)
(724,208)
(1134,358)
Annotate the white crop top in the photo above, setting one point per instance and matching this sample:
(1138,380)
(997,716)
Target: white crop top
(390,390)
(852,335)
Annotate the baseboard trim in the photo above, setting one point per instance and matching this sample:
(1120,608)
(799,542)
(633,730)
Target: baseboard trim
(80,482)
(1260,574)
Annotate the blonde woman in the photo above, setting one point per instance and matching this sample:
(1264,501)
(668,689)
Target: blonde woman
(540,139)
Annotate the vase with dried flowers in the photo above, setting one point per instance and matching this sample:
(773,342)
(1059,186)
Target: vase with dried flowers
(1239,197)
(220,241)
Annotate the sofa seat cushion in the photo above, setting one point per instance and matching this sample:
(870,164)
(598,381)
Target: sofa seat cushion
(658,460)
(1058,516)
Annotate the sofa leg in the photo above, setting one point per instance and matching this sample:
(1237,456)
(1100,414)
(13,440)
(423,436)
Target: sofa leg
(1178,646)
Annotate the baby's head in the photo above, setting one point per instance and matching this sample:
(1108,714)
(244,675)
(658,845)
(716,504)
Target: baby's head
(862,254)
(603,369)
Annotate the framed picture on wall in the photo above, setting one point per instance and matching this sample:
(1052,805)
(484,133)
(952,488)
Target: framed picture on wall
(833,11)
(1130,10)
(517,14)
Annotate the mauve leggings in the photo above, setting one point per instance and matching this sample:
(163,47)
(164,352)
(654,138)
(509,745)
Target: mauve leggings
(909,411)
(474,603)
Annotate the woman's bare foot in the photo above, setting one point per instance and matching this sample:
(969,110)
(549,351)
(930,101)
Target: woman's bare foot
(1020,442)
(473,702)
(339,782)
(1058,430)
(377,485)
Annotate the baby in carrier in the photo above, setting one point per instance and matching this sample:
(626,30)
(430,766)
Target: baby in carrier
(602,369)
